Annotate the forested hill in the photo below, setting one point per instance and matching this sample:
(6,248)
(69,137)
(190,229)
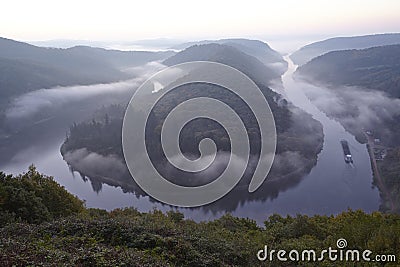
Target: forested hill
(228,55)
(375,68)
(299,136)
(256,48)
(24,67)
(363,95)
(308,52)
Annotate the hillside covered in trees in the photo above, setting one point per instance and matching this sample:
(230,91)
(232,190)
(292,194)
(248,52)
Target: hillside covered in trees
(255,48)
(376,68)
(55,229)
(361,89)
(26,67)
(389,169)
(298,144)
(310,51)
(228,55)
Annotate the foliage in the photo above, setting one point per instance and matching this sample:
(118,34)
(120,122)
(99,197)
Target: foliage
(310,51)
(390,172)
(127,237)
(375,68)
(102,135)
(258,49)
(33,197)
(306,139)
(25,67)
(228,55)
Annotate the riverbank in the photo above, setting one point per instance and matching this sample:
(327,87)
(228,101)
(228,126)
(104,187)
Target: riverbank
(385,195)
(72,235)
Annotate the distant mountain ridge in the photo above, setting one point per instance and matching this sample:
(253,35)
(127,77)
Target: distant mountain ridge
(157,43)
(365,87)
(229,55)
(25,67)
(256,48)
(308,52)
(376,68)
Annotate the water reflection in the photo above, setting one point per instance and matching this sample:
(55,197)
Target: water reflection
(238,197)
(330,187)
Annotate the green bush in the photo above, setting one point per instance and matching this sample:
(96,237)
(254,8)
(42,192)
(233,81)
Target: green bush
(33,197)
(75,236)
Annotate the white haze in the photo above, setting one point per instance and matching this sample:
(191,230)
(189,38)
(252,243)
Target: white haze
(145,70)
(30,103)
(356,108)
(278,67)
(93,164)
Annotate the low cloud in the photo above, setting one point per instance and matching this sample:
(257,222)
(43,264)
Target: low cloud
(288,161)
(366,105)
(145,70)
(31,103)
(356,108)
(93,164)
(278,67)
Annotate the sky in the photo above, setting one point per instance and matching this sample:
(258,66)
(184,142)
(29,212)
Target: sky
(135,20)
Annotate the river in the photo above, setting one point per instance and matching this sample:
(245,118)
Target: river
(331,187)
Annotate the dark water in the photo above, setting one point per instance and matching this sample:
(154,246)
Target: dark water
(332,185)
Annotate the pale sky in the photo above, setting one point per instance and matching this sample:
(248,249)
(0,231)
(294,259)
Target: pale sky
(133,20)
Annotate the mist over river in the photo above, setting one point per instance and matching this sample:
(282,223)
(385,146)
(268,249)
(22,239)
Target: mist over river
(332,185)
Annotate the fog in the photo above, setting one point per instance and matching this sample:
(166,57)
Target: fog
(41,117)
(322,190)
(145,70)
(27,105)
(277,67)
(94,165)
(356,108)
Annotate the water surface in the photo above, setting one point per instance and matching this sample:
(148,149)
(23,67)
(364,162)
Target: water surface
(331,187)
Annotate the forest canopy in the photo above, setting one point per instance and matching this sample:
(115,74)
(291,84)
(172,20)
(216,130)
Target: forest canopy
(48,226)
